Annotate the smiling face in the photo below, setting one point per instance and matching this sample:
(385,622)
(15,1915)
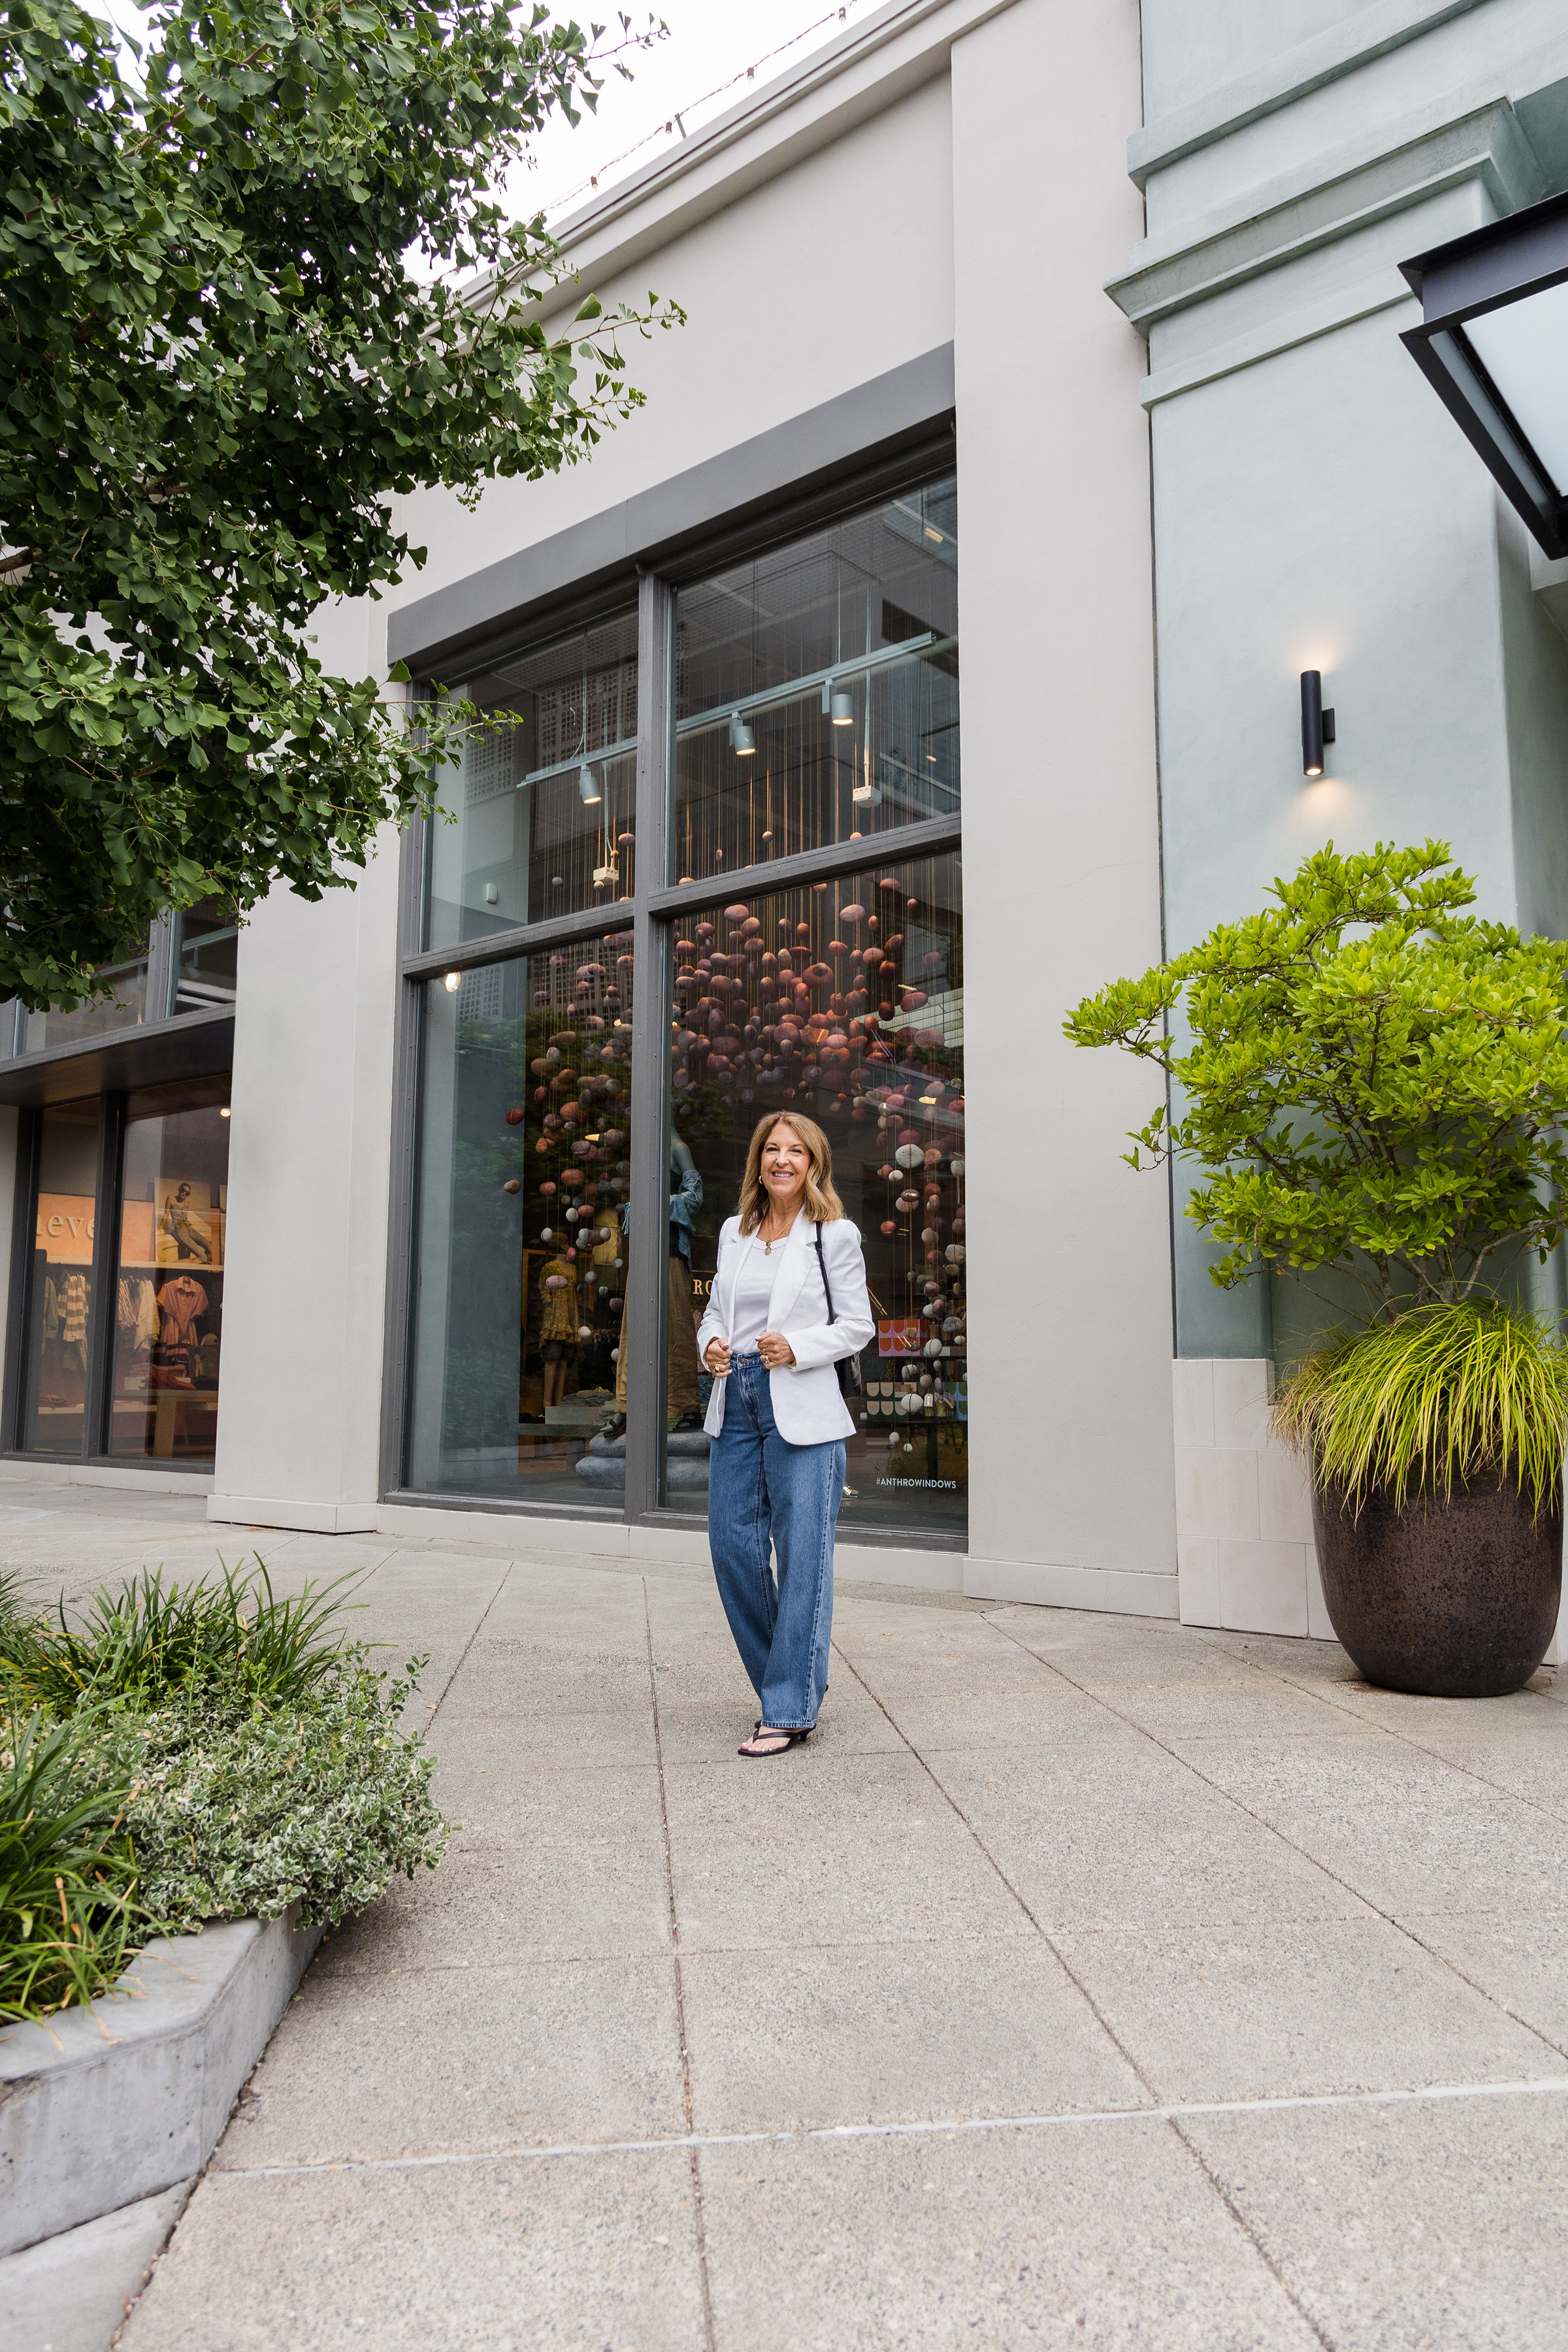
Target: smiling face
(786,1163)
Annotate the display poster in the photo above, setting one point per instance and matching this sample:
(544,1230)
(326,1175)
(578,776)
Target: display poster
(188,1229)
(66,1222)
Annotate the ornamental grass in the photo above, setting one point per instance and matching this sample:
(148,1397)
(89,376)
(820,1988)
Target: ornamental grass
(1441,1395)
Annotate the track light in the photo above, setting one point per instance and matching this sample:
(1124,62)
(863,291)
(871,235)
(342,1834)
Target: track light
(741,740)
(451,981)
(843,710)
(588,790)
(1317,724)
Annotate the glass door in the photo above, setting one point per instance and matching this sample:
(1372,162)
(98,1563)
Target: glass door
(59,1291)
(168,1300)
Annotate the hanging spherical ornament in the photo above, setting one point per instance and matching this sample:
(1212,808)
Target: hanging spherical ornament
(909,1155)
(907,1200)
(957,1166)
(736,914)
(932,1156)
(555,1282)
(888,1226)
(584,1330)
(933,1347)
(512,1185)
(853,916)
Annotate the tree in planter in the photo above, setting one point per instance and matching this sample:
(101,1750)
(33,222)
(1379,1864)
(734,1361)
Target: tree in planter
(218,370)
(1376,1083)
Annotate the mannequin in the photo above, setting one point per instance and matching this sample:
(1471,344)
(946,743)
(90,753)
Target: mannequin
(685,1199)
(558,1332)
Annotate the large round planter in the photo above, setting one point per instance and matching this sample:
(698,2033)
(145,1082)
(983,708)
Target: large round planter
(1453,1598)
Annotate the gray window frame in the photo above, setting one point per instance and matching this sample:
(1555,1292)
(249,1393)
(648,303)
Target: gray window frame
(657,908)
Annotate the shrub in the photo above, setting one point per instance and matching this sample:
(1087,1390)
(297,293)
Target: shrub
(1440,1394)
(235,1811)
(1375,1081)
(68,1879)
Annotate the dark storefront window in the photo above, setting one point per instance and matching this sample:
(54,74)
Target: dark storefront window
(802,704)
(205,976)
(168,1321)
(59,1288)
(126,1008)
(521,1351)
(817,690)
(540,811)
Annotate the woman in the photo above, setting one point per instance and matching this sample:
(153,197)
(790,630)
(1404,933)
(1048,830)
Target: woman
(776,1472)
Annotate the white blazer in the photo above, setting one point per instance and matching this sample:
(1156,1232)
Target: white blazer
(808,1408)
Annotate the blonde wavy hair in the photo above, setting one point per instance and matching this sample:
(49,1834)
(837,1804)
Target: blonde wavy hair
(821,1203)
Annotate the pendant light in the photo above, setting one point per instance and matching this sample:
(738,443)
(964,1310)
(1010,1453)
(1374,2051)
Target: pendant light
(843,710)
(588,786)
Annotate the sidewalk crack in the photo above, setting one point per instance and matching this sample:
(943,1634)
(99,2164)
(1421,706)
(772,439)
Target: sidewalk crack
(697,2221)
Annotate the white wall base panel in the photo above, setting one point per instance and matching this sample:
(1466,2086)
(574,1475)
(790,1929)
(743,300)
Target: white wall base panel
(306,1518)
(1118,1592)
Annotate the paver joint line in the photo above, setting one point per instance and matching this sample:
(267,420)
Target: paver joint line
(934,2127)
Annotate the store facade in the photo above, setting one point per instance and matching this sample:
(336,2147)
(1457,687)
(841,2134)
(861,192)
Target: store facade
(833,762)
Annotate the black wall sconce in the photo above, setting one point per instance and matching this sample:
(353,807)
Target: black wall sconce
(1317,724)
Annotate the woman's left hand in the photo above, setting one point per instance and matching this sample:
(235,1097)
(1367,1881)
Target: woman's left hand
(775,1351)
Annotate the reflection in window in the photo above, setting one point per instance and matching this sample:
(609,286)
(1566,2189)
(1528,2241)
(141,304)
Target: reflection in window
(168,1320)
(124,1008)
(539,812)
(59,1287)
(523,1176)
(846,1000)
(817,689)
(210,950)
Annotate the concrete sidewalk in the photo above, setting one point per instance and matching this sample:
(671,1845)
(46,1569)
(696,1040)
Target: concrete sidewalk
(1086,1981)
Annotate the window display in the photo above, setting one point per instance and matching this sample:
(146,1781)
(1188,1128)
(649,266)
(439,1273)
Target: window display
(518,1307)
(846,998)
(540,813)
(168,1307)
(60,1286)
(817,689)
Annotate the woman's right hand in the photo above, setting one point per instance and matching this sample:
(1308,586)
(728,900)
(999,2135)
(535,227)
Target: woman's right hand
(717,1358)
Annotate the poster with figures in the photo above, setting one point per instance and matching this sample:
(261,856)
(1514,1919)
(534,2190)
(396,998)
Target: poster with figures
(188,1230)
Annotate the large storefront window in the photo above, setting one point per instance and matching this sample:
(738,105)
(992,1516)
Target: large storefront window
(540,810)
(845,1000)
(168,1320)
(521,1352)
(817,690)
(125,1007)
(60,1286)
(804,704)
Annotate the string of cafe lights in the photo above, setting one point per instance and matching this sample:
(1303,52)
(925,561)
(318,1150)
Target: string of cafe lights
(676,116)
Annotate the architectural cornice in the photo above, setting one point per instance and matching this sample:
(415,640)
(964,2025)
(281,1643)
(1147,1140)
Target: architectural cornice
(1347,189)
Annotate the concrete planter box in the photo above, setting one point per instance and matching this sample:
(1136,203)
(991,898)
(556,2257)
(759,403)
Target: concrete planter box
(120,2101)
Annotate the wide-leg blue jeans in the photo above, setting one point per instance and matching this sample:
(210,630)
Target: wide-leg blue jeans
(761,1490)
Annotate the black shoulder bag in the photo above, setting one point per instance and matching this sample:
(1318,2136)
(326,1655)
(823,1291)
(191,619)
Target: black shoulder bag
(850,1381)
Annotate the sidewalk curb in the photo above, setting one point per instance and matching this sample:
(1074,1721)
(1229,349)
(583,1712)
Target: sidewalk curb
(116,2103)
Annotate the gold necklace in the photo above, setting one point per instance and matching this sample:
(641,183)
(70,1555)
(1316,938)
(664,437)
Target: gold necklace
(768,1245)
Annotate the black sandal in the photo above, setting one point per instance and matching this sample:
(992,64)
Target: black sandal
(756,1755)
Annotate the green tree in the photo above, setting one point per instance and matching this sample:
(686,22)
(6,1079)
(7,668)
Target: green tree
(217,370)
(1375,1082)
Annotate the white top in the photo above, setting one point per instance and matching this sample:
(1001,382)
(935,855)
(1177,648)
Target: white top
(807,1406)
(753,1296)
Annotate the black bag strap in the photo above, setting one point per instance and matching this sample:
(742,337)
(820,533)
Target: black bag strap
(821,1262)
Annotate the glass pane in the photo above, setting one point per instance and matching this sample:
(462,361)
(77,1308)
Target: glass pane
(168,1314)
(817,689)
(845,1000)
(126,1008)
(60,1293)
(518,1371)
(209,951)
(539,812)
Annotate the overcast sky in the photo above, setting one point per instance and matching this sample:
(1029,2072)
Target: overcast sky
(709,44)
